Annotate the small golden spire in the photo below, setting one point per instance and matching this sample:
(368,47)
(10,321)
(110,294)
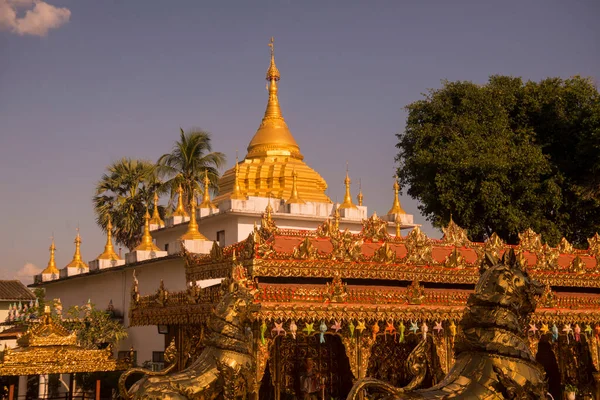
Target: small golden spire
(77,262)
(294,198)
(109,250)
(396,208)
(397,221)
(237,192)
(147,243)
(359,197)
(206,203)
(155,215)
(51,268)
(192,231)
(180,210)
(347,197)
(336,217)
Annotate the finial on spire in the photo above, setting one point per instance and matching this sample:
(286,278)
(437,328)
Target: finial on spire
(396,207)
(180,210)
(359,196)
(155,215)
(147,243)
(109,250)
(51,268)
(206,203)
(273,72)
(295,198)
(192,231)
(347,203)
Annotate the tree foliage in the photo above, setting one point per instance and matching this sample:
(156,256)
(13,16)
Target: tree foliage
(123,193)
(506,156)
(190,159)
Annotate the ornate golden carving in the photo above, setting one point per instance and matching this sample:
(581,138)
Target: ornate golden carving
(347,247)
(336,292)
(494,245)
(565,247)
(594,245)
(455,260)
(547,259)
(384,254)
(577,266)
(305,250)
(530,241)
(415,293)
(375,229)
(548,298)
(350,345)
(216,252)
(454,235)
(418,246)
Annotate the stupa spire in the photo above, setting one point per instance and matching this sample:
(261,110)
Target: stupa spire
(273,136)
(51,268)
(396,207)
(147,242)
(206,203)
(192,231)
(347,197)
(359,196)
(155,215)
(180,210)
(109,250)
(77,262)
(295,198)
(237,191)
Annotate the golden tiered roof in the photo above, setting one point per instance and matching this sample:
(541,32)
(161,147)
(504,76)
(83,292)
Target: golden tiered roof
(273,155)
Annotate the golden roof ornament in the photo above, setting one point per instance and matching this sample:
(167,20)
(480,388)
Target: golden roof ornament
(359,196)
(147,243)
(396,207)
(530,241)
(206,203)
(192,231)
(454,235)
(347,197)
(77,262)
(295,198)
(273,137)
(155,215)
(109,250)
(51,268)
(237,191)
(397,221)
(180,210)
(594,245)
(336,217)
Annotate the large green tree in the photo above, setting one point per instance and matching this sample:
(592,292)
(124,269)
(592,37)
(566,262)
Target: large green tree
(506,156)
(187,163)
(123,193)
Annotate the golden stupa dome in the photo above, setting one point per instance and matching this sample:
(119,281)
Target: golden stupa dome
(273,156)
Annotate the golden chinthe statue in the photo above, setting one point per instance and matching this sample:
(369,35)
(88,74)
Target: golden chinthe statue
(493,360)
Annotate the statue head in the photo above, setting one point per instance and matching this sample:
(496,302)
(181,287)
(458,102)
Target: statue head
(506,283)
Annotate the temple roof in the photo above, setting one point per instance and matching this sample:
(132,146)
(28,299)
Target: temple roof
(14,290)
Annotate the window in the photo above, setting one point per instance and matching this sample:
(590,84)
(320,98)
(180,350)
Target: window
(158,356)
(124,355)
(167,247)
(221,238)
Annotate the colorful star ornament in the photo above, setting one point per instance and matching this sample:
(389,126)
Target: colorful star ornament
(438,327)
(361,326)
(567,329)
(278,330)
(375,329)
(588,330)
(424,330)
(293,329)
(544,329)
(414,327)
(337,326)
(577,331)
(390,328)
(401,329)
(309,328)
(533,329)
(322,329)
(351,328)
(554,333)
(263,329)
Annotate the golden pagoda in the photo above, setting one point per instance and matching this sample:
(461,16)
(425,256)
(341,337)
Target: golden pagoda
(192,231)
(347,196)
(51,268)
(396,207)
(109,250)
(155,220)
(180,210)
(147,242)
(206,203)
(77,262)
(273,155)
(359,196)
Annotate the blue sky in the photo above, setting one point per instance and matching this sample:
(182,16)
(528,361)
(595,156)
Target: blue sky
(108,79)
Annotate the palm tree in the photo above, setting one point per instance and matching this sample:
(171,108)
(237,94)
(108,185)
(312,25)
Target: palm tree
(123,193)
(191,158)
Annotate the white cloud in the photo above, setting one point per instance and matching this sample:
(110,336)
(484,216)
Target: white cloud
(39,17)
(26,273)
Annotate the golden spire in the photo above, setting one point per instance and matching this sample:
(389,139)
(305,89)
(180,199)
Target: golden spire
(359,197)
(294,198)
(206,203)
(147,243)
(109,251)
(77,262)
(347,197)
(336,217)
(397,221)
(192,231)
(155,215)
(273,137)
(396,207)
(237,192)
(180,210)
(51,268)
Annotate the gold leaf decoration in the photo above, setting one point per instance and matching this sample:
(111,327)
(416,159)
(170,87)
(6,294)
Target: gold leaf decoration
(530,241)
(494,245)
(384,254)
(455,260)
(419,247)
(565,247)
(454,235)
